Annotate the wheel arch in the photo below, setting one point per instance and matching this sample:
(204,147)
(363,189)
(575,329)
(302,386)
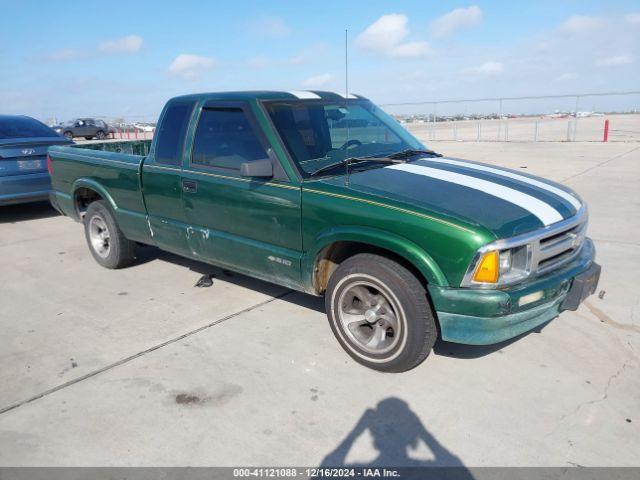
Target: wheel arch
(86,191)
(336,245)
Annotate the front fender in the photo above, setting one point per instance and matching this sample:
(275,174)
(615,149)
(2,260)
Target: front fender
(378,238)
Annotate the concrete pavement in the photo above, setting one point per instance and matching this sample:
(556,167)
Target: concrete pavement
(138,367)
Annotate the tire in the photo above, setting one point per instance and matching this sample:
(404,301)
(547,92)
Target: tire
(100,134)
(107,244)
(391,325)
(69,135)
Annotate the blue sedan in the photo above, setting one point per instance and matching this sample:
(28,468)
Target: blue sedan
(23,159)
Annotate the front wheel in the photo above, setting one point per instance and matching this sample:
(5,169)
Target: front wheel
(109,247)
(69,135)
(380,313)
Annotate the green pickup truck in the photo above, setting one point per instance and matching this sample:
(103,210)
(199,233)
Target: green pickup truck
(326,194)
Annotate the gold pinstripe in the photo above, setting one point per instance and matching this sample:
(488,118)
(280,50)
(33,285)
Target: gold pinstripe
(150,165)
(336,195)
(224,177)
(95,161)
(390,207)
(329,194)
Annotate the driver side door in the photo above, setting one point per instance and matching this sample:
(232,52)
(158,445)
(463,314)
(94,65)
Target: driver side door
(252,225)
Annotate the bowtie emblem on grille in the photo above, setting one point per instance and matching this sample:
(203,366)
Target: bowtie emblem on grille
(576,240)
(28,151)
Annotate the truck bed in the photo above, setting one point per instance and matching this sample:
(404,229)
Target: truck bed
(112,170)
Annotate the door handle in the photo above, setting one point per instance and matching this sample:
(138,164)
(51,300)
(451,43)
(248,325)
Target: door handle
(189,186)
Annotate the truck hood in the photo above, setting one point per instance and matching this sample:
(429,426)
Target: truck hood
(503,201)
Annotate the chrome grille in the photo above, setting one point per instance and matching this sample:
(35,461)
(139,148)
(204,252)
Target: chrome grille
(547,249)
(558,248)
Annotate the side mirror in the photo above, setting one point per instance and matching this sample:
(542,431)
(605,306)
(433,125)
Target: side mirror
(262,168)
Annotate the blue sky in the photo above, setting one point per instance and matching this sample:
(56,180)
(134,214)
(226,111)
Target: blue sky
(66,59)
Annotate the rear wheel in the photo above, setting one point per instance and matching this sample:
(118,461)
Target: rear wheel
(100,134)
(69,135)
(107,244)
(380,314)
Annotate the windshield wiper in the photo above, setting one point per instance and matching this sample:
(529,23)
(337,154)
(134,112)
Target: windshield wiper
(354,161)
(412,153)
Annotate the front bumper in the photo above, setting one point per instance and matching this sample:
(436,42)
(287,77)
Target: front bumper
(32,187)
(483,317)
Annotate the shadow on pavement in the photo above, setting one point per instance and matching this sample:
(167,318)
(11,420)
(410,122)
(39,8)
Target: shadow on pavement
(442,348)
(147,254)
(395,430)
(26,211)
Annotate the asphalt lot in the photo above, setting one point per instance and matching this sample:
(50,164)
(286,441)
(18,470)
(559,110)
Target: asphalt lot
(138,367)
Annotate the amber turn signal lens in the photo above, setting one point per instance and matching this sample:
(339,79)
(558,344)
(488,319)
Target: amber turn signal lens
(488,268)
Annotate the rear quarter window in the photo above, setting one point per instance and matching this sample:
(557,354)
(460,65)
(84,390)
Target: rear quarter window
(171,133)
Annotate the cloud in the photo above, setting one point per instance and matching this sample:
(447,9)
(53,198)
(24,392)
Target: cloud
(577,24)
(124,45)
(457,19)
(63,55)
(566,76)
(385,36)
(614,61)
(271,26)
(128,44)
(411,49)
(633,18)
(487,68)
(190,66)
(317,81)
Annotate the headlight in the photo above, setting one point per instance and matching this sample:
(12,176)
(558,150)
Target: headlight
(496,268)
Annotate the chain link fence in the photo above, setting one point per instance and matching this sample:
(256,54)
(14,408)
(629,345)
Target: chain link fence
(589,117)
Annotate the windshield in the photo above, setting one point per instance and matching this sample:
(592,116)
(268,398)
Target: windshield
(24,127)
(318,134)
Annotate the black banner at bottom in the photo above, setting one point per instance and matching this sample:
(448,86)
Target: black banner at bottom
(320,473)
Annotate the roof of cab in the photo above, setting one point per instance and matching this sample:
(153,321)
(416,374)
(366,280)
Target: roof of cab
(270,95)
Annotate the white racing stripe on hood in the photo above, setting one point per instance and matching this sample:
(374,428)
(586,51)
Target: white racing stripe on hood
(531,181)
(545,212)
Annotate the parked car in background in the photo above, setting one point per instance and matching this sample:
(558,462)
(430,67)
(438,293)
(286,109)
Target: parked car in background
(88,128)
(23,159)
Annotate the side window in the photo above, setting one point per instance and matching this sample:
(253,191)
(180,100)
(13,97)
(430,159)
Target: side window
(225,139)
(171,133)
